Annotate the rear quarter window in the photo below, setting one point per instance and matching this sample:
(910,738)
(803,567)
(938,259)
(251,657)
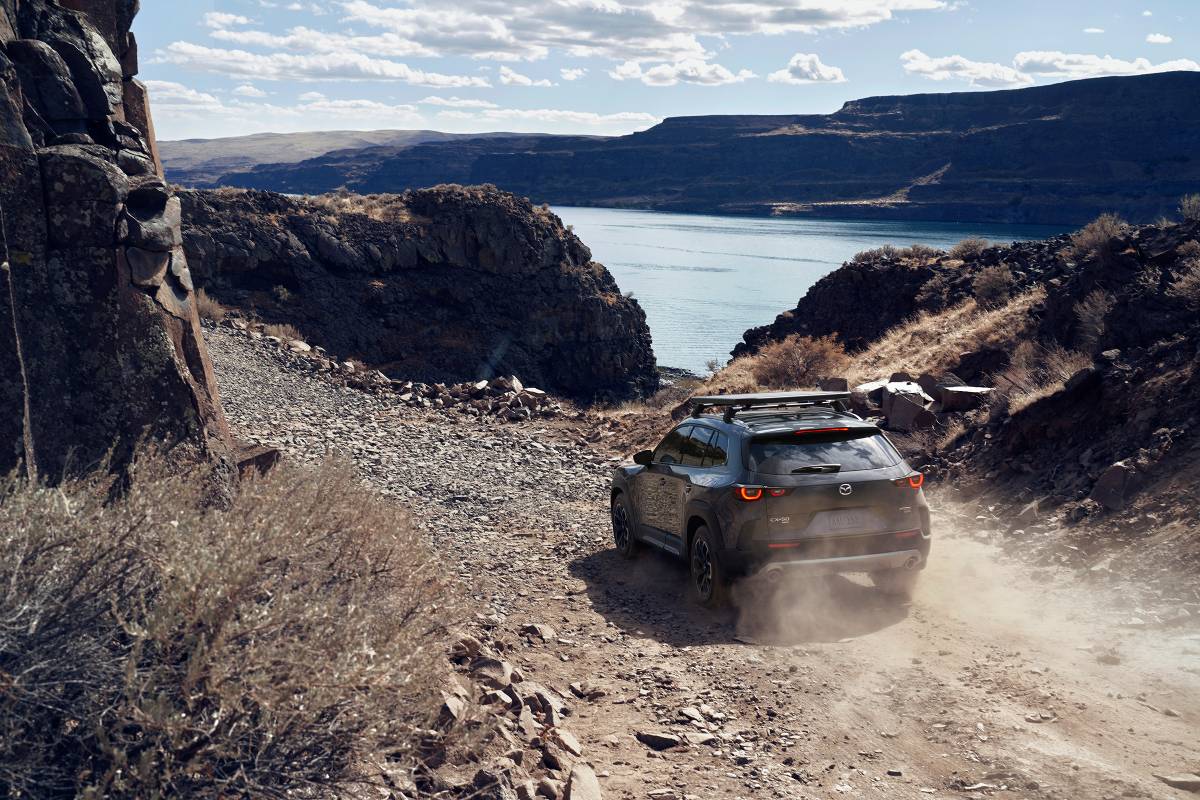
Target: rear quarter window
(781,455)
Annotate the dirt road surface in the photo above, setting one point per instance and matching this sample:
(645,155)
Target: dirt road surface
(994,681)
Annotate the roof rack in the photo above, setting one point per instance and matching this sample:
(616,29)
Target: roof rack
(733,403)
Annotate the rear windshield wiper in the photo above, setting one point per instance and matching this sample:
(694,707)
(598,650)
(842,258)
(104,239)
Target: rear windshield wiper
(817,469)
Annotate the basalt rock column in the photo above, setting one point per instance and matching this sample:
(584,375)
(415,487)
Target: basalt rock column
(99,337)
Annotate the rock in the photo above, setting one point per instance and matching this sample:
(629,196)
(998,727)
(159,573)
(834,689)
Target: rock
(582,784)
(453,708)
(543,632)
(928,384)
(696,738)
(908,389)
(833,385)
(299,346)
(1112,486)
(536,305)
(568,741)
(146,267)
(586,691)
(658,741)
(492,672)
(963,398)
(907,414)
(1187,781)
(549,788)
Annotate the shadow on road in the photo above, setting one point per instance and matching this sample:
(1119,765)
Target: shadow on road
(649,596)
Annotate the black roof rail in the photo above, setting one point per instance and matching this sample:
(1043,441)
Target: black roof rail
(733,403)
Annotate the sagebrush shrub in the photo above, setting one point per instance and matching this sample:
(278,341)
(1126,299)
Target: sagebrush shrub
(284,331)
(993,285)
(969,248)
(208,307)
(798,361)
(1095,241)
(1189,207)
(154,647)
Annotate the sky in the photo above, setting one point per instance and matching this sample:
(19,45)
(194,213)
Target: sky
(232,67)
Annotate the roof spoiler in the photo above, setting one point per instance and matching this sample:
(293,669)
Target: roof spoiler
(733,403)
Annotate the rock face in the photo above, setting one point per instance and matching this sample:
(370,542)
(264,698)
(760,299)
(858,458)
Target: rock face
(435,285)
(1024,155)
(100,344)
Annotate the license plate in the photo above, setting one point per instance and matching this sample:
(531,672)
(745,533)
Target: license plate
(846,520)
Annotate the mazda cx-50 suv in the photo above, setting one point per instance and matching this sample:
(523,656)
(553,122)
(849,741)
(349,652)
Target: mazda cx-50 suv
(773,483)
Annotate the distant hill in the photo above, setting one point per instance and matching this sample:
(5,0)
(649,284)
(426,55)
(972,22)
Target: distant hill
(1058,154)
(202,162)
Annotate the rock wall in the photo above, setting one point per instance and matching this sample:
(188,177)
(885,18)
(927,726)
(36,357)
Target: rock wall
(100,344)
(436,285)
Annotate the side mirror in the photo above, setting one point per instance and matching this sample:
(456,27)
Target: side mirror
(644,457)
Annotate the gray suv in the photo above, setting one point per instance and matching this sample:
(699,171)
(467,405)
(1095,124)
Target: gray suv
(774,483)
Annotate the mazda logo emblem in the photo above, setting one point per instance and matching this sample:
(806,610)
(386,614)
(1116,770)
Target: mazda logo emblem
(845,489)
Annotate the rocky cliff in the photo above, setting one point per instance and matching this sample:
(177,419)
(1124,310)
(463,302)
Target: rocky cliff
(1049,154)
(442,284)
(100,344)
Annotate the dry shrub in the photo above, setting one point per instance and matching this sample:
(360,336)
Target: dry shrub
(875,256)
(1036,371)
(284,331)
(208,307)
(1187,281)
(935,341)
(380,207)
(971,247)
(1189,207)
(1090,315)
(282,294)
(1096,239)
(153,647)
(798,361)
(993,285)
(921,252)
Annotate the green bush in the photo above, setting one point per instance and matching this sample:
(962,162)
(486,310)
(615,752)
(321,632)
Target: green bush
(154,647)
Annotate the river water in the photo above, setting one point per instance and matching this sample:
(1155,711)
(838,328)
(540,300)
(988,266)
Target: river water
(703,280)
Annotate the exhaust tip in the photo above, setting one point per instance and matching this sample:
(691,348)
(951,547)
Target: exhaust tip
(773,574)
(912,563)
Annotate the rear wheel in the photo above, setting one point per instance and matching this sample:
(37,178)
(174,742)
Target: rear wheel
(622,523)
(899,583)
(708,575)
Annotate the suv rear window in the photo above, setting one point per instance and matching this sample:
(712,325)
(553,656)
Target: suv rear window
(782,455)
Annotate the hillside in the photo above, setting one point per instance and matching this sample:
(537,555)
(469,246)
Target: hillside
(1057,154)
(446,284)
(201,162)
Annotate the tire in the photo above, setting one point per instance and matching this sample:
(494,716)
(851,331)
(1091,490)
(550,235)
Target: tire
(707,574)
(899,583)
(622,521)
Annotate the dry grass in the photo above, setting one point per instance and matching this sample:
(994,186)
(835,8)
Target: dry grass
(1189,207)
(284,331)
(969,248)
(1037,371)
(993,285)
(1187,282)
(208,307)
(792,363)
(380,207)
(155,647)
(1095,241)
(1090,314)
(935,342)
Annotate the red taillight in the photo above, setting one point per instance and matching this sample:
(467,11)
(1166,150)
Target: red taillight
(914,481)
(777,492)
(783,545)
(908,534)
(823,430)
(748,493)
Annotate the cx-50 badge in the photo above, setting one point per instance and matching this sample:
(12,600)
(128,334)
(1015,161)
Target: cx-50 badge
(845,489)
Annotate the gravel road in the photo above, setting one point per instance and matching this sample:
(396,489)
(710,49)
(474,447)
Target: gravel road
(990,683)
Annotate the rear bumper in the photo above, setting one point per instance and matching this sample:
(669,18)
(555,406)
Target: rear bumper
(875,562)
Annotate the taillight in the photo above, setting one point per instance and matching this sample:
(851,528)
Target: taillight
(822,430)
(777,492)
(748,493)
(908,534)
(914,481)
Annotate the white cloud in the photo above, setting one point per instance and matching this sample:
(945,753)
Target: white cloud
(807,68)
(572,73)
(1093,30)
(977,73)
(308,40)
(168,93)
(248,90)
(311,97)
(659,31)
(689,70)
(1147,13)
(510,77)
(456,102)
(219,19)
(549,115)
(1054,64)
(308,67)
(1159,38)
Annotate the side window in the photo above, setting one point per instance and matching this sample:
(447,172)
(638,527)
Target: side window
(670,450)
(716,454)
(696,446)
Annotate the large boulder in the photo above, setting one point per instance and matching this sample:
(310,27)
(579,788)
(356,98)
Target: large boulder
(104,350)
(436,285)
